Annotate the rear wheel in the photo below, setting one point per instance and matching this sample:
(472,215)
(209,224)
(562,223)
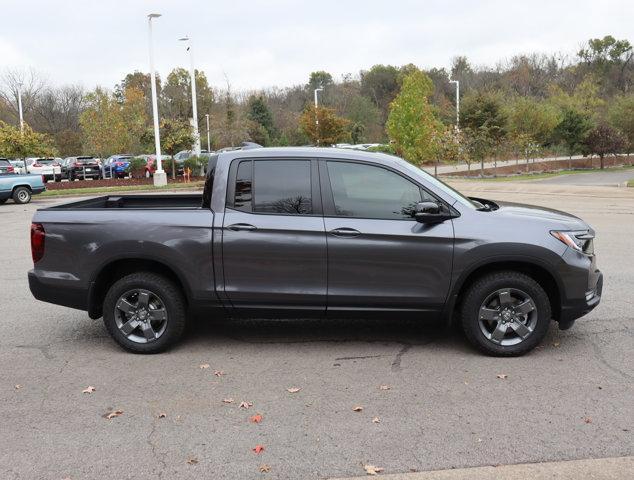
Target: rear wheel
(144,313)
(22,195)
(505,313)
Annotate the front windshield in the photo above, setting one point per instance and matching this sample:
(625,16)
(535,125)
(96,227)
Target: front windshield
(440,185)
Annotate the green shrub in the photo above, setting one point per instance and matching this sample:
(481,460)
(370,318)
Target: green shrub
(136,167)
(383,149)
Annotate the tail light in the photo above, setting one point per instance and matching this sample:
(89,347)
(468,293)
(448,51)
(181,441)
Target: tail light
(37,241)
(37,165)
(77,165)
(118,164)
(10,169)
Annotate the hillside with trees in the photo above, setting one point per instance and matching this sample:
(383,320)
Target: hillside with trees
(521,107)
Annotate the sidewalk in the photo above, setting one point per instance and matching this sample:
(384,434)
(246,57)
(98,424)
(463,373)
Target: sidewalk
(619,468)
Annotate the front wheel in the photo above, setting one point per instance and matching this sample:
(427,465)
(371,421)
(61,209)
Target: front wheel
(144,313)
(22,195)
(505,313)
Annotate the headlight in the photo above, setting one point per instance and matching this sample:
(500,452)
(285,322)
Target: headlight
(577,240)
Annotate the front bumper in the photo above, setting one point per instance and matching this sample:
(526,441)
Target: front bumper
(573,310)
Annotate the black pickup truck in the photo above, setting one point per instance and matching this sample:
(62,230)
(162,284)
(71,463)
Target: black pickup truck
(302,232)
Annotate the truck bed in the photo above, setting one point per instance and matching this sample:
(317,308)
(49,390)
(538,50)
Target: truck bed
(144,202)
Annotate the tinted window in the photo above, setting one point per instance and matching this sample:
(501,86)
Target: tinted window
(243,195)
(282,186)
(366,191)
(4,163)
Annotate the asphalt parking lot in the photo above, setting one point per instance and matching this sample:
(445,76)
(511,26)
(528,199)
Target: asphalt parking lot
(442,405)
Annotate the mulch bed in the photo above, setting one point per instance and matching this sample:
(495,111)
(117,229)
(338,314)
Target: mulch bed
(545,167)
(114,182)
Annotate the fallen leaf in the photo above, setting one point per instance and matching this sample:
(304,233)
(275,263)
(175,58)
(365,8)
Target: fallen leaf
(376,420)
(293,389)
(372,470)
(162,415)
(218,373)
(227,400)
(114,413)
(357,408)
(245,404)
(587,420)
(556,344)
(88,389)
(385,387)
(265,468)
(257,418)
(18,387)
(204,365)
(258,449)
(192,460)
(503,376)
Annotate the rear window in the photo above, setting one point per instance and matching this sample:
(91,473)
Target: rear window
(46,161)
(4,163)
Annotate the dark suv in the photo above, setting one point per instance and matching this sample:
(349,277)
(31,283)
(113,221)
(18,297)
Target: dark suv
(81,168)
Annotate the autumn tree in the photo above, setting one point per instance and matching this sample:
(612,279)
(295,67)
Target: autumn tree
(571,131)
(261,127)
(21,144)
(604,140)
(448,145)
(330,130)
(176,135)
(319,79)
(621,115)
(412,124)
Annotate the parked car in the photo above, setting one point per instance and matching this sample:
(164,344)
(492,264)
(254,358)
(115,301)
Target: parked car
(82,168)
(6,166)
(48,167)
(115,166)
(20,187)
(18,166)
(150,166)
(306,232)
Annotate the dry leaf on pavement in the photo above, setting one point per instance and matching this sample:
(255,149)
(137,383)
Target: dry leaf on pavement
(503,376)
(587,420)
(227,400)
(18,387)
(264,468)
(219,373)
(357,408)
(384,387)
(258,449)
(293,389)
(192,460)
(245,404)
(114,413)
(556,344)
(376,420)
(257,418)
(88,389)
(162,415)
(204,365)
(372,470)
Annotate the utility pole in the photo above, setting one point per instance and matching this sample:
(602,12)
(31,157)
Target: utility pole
(457,82)
(20,108)
(208,136)
(192,80)
(160,177)
(320,89)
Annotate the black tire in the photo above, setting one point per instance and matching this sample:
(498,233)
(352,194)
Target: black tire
(58,178)
(21,195)
(481,289)
(71,177)
(172,299)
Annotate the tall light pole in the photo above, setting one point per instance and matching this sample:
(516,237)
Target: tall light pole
(320,89)
(192,80)
(160,177)
(208,136)
(20,107)
(457,82)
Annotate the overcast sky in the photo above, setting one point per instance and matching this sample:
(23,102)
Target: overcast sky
(279,42)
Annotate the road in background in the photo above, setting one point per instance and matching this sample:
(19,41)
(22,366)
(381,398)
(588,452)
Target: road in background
(445,406)
(618,177)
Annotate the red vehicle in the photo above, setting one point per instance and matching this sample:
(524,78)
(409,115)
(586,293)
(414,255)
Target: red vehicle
(150,166)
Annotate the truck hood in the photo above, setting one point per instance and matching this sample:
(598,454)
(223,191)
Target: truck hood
(555,218)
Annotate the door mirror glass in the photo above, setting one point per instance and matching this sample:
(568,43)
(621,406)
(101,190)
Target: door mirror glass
(430,212)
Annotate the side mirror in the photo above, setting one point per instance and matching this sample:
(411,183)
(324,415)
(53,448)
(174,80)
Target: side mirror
(430,212)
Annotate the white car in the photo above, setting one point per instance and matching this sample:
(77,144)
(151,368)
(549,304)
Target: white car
(18,166)
(50,168)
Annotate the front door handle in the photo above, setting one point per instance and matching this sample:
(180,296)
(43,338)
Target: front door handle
(242,227)
(345,232)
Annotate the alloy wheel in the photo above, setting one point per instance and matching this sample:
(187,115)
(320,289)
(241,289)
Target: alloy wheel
(507,316)
(141,315)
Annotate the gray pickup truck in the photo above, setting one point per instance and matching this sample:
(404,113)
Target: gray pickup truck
(304,232)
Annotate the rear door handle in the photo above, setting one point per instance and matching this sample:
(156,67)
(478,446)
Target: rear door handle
(345,232)
(242,227)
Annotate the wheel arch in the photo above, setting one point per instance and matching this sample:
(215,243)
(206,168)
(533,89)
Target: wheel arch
(538,271)
(109,273)
(25,185)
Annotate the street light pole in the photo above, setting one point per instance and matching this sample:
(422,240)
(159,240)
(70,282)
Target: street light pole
(192,80)
(457,82)
(320,89)
(160,177)
(208,136)
(20,107)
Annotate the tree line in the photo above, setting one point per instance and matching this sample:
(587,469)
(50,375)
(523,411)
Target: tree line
(565,104)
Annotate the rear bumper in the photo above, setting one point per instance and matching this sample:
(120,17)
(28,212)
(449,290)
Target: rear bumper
(573,310)
(53,292)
